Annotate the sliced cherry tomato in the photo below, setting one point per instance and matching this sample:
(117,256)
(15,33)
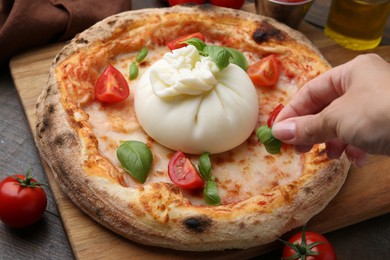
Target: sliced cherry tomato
(22,201)
(179,42)
(111,86)
(178,2)
(308,245)
(237,4)
(183,173)
(265,72)
(274,114)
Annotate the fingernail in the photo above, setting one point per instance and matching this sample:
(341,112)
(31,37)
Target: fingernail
(284,130)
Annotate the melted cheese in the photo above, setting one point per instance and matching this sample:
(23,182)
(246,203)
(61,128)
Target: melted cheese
(240,172)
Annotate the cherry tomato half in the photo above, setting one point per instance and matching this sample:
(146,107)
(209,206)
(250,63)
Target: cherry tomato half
(178,2)
(274,114)
(179,42)
(22,201)
(237,4)
(111,86)
(183,173)
(265,72)
(315,242)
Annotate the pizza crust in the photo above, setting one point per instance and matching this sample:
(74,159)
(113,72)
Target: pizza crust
(157,213)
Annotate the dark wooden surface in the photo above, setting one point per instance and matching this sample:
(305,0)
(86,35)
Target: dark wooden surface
(47,238)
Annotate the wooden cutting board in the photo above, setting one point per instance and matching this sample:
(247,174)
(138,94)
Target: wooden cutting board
(364,195)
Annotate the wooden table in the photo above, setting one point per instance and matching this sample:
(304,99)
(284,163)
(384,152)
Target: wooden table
(48,240)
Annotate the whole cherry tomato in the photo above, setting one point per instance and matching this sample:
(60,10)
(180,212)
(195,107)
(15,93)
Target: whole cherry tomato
(265,72)
(22,201)
(178,2)
(308,245)
(237,4)
(111,86)
(179,42)
(183,173)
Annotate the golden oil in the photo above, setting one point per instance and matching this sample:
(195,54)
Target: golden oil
(357,24)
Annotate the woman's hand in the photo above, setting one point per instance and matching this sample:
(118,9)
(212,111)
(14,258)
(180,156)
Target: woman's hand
(348,108)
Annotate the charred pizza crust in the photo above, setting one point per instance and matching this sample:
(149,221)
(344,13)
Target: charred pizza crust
(157,213)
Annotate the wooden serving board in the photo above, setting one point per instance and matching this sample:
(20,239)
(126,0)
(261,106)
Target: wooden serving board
(364,195)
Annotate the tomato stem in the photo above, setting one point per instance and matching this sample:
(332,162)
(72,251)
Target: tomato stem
(302,249)
(28,181)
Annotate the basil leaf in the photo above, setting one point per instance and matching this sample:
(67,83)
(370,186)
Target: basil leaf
(133,72)
(141,55)
(204,166)
(210,193)
(238,58)
(198,43)
(136,158)
(272,145)
(219,55)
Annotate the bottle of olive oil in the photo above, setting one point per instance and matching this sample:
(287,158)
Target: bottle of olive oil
(357,24)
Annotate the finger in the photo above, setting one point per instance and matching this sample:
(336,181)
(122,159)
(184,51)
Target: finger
(315,95)
(356,156)
(302,148)
(335,148)
(305,130)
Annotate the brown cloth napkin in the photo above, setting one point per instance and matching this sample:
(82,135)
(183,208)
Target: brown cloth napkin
(31,23)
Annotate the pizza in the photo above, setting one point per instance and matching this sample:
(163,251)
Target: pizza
(150,124)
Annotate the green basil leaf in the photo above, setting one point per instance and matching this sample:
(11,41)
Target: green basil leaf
(210,193)
(198,43)
(219,55)
(204,166)
(133,71)
(238,58)
(136,158)
(264,133)
(272,145)
(141,55)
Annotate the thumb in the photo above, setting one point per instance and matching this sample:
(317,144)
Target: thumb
(304,130)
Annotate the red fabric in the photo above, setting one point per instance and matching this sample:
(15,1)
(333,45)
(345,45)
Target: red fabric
(31,23)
